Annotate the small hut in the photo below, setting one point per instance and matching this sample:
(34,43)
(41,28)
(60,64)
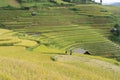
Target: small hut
(81,51)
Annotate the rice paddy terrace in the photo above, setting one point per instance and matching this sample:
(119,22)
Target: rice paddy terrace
(64,28)
(33,47)
(17,62)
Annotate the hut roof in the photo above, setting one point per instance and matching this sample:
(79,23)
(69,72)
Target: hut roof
(79,50)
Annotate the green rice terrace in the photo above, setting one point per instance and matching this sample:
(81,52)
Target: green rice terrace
(38,46)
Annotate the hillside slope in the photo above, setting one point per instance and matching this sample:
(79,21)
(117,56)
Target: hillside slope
(24,65)
(66,27)
(33,47)
(16,62)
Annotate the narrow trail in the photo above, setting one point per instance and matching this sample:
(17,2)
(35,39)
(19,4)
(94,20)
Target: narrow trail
(89,61)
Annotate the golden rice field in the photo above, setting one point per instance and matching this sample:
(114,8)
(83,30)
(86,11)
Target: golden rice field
(17,63)
(33,47)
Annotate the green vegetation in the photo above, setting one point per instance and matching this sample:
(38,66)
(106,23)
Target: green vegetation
(77,27)
(34,65)
(13,3)
(23,4)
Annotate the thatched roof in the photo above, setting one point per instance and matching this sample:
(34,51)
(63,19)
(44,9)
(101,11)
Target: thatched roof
(79,50)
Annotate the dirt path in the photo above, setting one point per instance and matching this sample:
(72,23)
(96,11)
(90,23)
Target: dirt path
(89,61)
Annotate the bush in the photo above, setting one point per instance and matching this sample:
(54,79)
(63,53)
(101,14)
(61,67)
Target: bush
(29,48)
(74,9)
(2,25)
(9,7)
(54,58)
(25,8)
(118,58)
(103,10)
(114,38)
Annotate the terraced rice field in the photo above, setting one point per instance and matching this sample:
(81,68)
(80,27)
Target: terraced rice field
(63,28)
(8,38)
(33,47)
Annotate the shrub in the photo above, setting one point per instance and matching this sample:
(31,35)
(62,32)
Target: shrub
(118,58)
(74,9)
(29,48)
(54,58)
(2,25)
(9,7)
(114,38)
(25,8)
(103,10)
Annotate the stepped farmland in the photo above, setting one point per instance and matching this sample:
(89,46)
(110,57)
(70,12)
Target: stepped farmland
(33,47)
(65,28)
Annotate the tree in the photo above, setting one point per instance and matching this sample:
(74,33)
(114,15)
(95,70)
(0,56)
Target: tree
(84,1)
(19,1)
(116,30)
(100,1)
